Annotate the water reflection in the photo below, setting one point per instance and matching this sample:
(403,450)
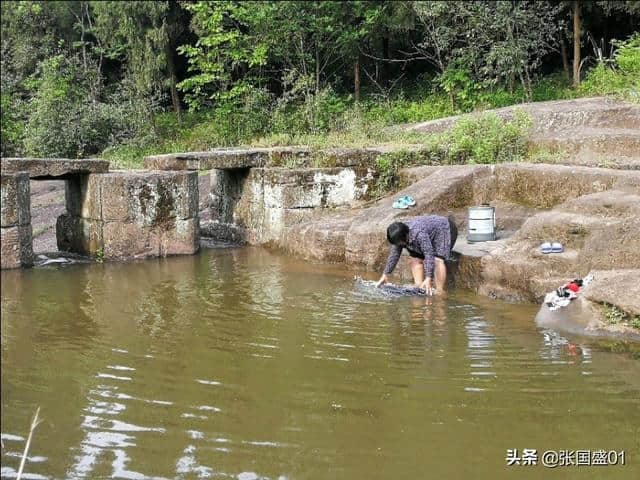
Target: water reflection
(245,364)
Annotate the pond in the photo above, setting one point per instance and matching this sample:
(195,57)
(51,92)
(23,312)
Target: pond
(242,363)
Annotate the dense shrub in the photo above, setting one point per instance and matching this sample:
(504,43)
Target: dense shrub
(68,119)
(484,138)
(12,128)
(619,75)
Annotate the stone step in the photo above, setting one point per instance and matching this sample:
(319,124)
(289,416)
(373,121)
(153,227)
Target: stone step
(552,115)
(53,168)
(607,147)
(545,186)
(290,157)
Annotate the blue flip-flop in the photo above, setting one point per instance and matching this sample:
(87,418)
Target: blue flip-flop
(400,204)
(408,199)
(546,247)
(557,248)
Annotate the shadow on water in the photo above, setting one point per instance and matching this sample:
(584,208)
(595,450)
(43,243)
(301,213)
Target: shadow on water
(240,363)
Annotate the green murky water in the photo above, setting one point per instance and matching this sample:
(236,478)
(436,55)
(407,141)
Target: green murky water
(246,364)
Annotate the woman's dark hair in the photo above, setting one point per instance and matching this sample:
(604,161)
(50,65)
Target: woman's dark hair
(397,233)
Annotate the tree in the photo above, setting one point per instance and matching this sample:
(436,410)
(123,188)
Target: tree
(588,12)
(484,41)
(513,37)
(143,35)
(576,43)
(225,60)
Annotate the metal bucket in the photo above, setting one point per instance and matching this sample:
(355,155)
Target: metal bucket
(482,224)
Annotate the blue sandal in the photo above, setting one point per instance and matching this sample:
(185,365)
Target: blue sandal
(400,203)
(408,199)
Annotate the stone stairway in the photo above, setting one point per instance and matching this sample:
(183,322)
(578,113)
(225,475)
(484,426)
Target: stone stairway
(592,146)
(598,131)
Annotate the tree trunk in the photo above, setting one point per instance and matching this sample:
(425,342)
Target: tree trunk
(356,74)
(175,99)
(385,54)
(528,90)
(576,43)
(317,69)
(565,59)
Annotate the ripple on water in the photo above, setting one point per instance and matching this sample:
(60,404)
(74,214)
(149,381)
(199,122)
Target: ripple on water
(227,370)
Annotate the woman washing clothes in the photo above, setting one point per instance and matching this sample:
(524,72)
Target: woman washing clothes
(429,240)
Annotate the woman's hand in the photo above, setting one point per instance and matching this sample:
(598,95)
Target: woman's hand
(383,279)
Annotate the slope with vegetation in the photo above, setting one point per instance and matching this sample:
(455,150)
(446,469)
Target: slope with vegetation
(127,79)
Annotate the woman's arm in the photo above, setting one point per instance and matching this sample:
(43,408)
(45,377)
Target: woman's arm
(392,261)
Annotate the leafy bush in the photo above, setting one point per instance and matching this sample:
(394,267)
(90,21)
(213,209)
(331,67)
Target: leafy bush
(616,316)
(456,81)
(487,138)
(12,128)
(484,138)
(621,75)
(68,119)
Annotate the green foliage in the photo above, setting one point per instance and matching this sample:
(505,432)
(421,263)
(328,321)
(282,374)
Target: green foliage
(458,84)
(227,44)
(82,76)
(135,32)
(479,43)
(12,127)
(388,166)
(64,122)
(487,138)
(615,316)
(484,138)
(621,75)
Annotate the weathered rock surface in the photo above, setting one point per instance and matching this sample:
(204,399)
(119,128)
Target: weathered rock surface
(258,157)
(442,192)
(543,186)
(15,224)
(14,200)
(224,158)
(592,146)
(598,131)
(124,215)
(357,237)
(587,314)
(620,288)
(554,116)
(49,168)
(265,202)
(221,232)
(15,246)
(590,208)
(599,231)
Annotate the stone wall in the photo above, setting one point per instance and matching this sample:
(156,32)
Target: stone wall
(15,224)
(266,202)
(128,215)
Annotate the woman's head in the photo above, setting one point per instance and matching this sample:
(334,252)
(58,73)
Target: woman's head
(398,233)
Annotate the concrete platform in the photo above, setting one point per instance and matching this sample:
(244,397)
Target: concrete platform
(53,168)
(480,249)
(126,215)
(290,157)
(223,158)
